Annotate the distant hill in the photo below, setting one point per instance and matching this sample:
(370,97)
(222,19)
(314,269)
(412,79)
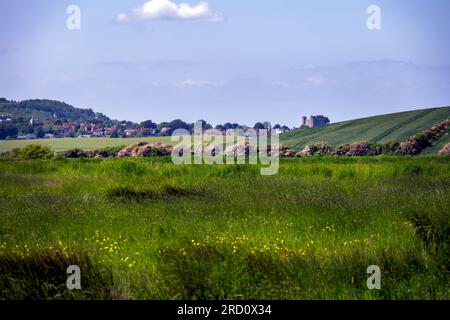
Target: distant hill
(379,129)
(48,110)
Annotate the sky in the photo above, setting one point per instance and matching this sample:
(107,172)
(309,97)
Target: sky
(228,60)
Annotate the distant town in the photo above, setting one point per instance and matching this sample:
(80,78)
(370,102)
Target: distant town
(53,119)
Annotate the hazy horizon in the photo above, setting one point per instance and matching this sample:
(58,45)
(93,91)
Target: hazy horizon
(227,61)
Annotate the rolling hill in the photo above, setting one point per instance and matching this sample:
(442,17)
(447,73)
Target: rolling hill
(379,129)
(47,109)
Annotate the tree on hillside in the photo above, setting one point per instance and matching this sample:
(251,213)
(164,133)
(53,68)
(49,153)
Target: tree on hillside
(7,130)
(177,124)
(205,125)
(322,117)
(149,124)
(258,126)
(39,132)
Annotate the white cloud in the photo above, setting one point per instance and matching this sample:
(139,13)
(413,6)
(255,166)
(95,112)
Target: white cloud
(315,81)
(167,9)
(310,81)
(122,17)
(282,84)
(309,66)
(199,83)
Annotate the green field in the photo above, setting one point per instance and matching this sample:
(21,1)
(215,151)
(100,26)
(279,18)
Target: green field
(72,143)
(379,129)
(148,229)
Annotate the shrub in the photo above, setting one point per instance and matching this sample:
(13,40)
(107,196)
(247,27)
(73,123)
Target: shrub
(321,148)
(106,152)
(358,149)
(144,149)
(342,150)
(390,148)
(34,151)
(417,143)
(284,151)
(127,152)
(72,154)
(445,151)
(242,148)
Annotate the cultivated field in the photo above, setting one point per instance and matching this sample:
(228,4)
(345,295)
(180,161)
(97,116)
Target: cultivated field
(72,143)
(147,229)
(380,129)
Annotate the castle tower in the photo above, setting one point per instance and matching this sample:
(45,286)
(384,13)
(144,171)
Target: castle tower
(303,121)
(312,121)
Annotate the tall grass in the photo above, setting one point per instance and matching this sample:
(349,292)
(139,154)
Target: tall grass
(147,229)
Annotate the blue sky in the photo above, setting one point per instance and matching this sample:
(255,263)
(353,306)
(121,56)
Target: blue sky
(228,60)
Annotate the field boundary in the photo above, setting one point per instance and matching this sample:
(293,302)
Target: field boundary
(395,128)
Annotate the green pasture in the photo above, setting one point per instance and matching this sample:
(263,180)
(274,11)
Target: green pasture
(148,229)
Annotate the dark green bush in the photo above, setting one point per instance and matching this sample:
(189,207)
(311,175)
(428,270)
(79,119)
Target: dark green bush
(35,151)
(73,154)
(106,152)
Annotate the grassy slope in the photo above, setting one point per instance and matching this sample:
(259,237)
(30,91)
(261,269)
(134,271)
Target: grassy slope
(71,143)
(381,129)
(206,232)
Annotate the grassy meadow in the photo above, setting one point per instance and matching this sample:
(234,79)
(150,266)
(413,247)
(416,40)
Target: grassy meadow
(147,229)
